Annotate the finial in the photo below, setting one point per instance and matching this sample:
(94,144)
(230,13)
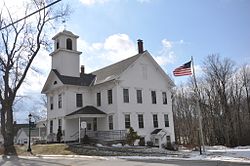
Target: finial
(64,24)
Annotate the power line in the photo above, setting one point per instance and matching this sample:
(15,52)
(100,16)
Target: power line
(30,15)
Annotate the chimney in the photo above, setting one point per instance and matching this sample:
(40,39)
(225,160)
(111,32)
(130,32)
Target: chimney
(82,71)
(140,46)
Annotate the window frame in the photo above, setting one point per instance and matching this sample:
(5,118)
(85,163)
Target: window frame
(98,99)
(59,101)
(127,121)
(139,96)
(153,97)
(125,95)
(164,98)
(51,100)
(140,121)
(69,44)
(51,126)
(60,124)
(166,120)
(111,123)
(110,96)
(155,121)
(79,100)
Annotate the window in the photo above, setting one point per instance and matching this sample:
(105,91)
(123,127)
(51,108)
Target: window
(98,99)
(140,121)
(168,138)
(166,120)
(57,44)
(69,44)
(127,121)
(95,124)
(51,127)
(59,123)
(110,96)
(125,96)
(153,96)
(164,98)
(51,103)
(139,96)
(155,120)
(110,122)
(78,100)
(60,101)
(88,126)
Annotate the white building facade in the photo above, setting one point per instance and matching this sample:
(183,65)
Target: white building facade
(134,92)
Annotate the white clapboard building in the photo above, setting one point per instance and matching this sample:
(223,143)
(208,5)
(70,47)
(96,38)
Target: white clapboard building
(134,92)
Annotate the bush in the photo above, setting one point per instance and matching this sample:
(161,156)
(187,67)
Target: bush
(170,146)
(132,136)
(142,141)
(150,143)
(85,140)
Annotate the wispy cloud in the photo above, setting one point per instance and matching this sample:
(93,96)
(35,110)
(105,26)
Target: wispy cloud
(143,1)
(167,54)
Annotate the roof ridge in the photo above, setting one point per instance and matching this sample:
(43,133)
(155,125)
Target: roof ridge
(117,62)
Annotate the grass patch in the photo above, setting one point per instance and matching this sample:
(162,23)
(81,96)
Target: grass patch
(45,149)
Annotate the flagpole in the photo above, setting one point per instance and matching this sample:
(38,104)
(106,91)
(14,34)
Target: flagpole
(198,106)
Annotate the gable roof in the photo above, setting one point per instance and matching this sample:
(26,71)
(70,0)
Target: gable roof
(87,110)
(113,71)
(84,80)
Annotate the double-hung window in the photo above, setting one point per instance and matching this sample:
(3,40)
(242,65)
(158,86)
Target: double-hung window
(153,97)
(60,101)
(125,96)
(51,100)
(140,121)
(110,122)
(155,120)
(98,99)
(127,121)
(164,98)
(166,120)
(139,96)
(78,100)
(110,100)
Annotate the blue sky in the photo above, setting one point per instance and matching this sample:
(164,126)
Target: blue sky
(193,28)
(172,31)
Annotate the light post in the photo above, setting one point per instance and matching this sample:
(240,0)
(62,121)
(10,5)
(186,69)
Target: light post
(29,149)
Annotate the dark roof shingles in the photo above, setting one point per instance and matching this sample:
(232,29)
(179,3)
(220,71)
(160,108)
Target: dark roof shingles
(87,110)
(85,80)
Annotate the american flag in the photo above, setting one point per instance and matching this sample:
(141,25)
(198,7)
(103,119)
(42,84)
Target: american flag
(183,70)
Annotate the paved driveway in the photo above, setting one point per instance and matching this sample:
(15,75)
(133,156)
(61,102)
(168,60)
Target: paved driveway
(105,161)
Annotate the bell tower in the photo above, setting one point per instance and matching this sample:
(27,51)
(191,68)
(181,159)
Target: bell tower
(65,57)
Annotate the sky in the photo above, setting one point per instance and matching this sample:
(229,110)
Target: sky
(172,32)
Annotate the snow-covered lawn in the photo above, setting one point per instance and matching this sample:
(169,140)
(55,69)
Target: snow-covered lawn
(218,153)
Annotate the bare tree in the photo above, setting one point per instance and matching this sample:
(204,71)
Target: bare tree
(19,45)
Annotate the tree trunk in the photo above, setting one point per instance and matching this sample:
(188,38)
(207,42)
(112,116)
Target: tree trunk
(7,127)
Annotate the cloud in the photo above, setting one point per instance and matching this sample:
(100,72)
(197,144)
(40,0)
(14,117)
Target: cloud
(113,49)
(93,2)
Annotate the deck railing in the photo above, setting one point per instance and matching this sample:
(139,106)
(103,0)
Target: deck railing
(113,135)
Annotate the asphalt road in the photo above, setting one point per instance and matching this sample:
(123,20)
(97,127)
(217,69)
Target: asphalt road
(99,161)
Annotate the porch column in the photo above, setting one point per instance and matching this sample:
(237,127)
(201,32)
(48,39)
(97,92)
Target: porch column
(79,129)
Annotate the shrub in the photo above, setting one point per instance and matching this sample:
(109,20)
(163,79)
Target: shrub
(142,141)
(150,143)
(85,140)
(59,135)
(132,136)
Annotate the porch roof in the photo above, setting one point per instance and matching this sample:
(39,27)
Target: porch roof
(87,111)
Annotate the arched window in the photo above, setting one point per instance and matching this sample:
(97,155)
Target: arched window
(69,44)
(57,44)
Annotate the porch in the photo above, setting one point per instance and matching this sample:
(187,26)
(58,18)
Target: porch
(92,122)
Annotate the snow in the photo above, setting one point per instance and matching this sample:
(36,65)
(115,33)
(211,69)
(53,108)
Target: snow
(215,153)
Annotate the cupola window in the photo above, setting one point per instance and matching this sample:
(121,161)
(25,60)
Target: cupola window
(69,44)
(57,44)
